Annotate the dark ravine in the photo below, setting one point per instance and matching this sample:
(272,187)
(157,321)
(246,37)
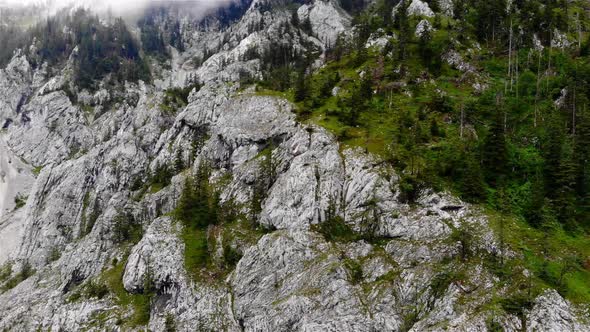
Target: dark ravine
(289,228)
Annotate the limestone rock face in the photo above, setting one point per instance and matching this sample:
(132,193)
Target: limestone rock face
(423,27)
(158,255)
(379,40)
(50,130)
(327,19)
(302,193)
(560,40)
(15,81)
(552,313)
(16,180)
(447,7)
(298,284)
(420,8)
(415,8)
(84,169)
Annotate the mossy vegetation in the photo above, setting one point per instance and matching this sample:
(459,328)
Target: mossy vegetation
(133,310)
(200,212)
(5,271)
(9,282)
(177,98)
(554,257)
(205,221)
(355,271)
(37,170)
(140,303)
(54,254)
(334,229)
(19,201)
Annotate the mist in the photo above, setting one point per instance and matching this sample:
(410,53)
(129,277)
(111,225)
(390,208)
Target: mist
(117,7)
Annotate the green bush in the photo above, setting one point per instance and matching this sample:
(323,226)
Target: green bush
(231,256)
(54,254)
(335,229)
(5,272)
(492,325)
(126,228)
(96,289)
(140,303)
(170,324)
(516,304)
(160,177)
(177,98)
(355,271)
(25,272)
(19,201)
(409,187)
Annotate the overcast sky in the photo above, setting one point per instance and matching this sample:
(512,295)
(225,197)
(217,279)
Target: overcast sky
(118,7)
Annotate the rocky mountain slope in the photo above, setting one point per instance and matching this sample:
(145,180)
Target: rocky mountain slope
(83,170)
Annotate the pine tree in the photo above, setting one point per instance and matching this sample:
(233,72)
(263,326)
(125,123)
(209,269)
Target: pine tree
(582,158)
(424,46)
(403,24)
(179,161)
(187,202)
(301,86)
(565,194)
(195,208)
(552,149)
(534,210)
(472,181)
(202,216)
(176,37)
(495,151)
(295,19)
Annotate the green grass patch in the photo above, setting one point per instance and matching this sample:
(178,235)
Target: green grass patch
(19,201)
(25,272)
(556,258)
(288,95)
(140,303)
(196,251)
(336,230)
(176,98)
(37,170)
(5,271)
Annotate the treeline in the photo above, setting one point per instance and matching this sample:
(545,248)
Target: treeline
(157,32)
(11,38)
(103,48)
(199,208)
(106,50)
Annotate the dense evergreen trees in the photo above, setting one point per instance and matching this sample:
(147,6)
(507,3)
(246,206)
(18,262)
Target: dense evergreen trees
(106,50)
(198,205)
(11,38)
(158,32)
(152,39)
(102,49)
(495,151)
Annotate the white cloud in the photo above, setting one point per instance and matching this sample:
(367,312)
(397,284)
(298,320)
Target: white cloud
(117,7)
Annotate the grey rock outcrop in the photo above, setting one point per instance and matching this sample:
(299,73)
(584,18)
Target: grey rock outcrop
(327,19)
